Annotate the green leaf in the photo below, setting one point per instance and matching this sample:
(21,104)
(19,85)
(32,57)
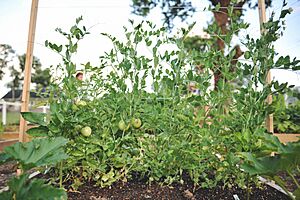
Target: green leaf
(261,166)
(73,48)
(73,29)
(288,159)
(59,48)
(148,43)
(35,117)
(285,12)
(25,189)
(60,117)
(40,131)
(38,152)
(4,158)
(79,19)
(296,193)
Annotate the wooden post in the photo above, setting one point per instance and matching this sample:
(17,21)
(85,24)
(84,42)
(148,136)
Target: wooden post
(27,72)
(262,19)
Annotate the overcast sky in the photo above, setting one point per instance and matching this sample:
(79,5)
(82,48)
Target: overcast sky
(110,16)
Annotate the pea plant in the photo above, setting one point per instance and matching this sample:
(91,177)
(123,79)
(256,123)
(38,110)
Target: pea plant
(135,112)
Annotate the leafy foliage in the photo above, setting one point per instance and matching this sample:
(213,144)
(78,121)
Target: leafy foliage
(38,152)
(287,160)
(35,117)
(286,117)
(171,9)
(16,72)
(6,57)
(178,133)
(39,76)
(21,188)
(183,9)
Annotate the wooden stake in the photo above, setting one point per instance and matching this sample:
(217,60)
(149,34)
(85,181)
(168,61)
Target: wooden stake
(27,73)
(262,19)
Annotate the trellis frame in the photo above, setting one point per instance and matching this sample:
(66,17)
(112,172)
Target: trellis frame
(27,72)
(262,20)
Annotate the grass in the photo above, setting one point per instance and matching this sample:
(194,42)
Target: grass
(11,118)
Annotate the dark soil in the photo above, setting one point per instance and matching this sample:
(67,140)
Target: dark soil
(7,171)
(290,184)
(139,189)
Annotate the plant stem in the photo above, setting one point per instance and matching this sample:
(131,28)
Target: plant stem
(248,190)
(295,181)
(283,187)
(60,174)
(298,169)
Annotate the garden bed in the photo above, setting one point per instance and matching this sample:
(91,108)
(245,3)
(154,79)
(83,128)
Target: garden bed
(139,189)
(287,137)
(5,143)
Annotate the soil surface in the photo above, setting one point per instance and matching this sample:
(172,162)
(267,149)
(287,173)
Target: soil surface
(290,184)
(7,171)
(139,189)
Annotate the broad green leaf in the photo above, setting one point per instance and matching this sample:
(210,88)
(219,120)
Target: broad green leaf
(4,158)
(38,131)
(288,159)
(261,166)
(35,117)
(25,189)
(38,152)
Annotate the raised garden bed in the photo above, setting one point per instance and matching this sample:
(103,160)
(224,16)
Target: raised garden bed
(288,137)
(140,189)
(137,189)
(5,143)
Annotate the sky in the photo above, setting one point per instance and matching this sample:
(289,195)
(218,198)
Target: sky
(110,16)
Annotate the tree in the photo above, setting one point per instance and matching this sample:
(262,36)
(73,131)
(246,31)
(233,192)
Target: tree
(7,55)
(183,9)
(39,76)
(36,63)
(16,82)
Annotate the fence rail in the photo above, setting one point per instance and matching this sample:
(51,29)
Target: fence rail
(5,104)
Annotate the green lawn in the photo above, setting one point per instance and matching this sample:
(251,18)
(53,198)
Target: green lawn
(11,118)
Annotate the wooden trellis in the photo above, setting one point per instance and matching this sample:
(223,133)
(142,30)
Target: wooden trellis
(262,19)
(27,72)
